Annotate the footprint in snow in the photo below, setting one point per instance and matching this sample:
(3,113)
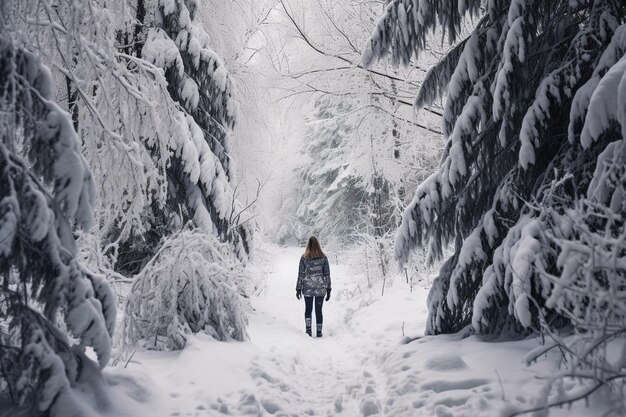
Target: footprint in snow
(248,404)
(338,404)
(352,389)
(270,406)
(220,406)
(370,407)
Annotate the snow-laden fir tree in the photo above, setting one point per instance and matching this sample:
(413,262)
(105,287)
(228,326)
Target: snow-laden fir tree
(198,80)
(51,307)
(337,196)
(205,295)
(346,188)
(533,105)
(184,134)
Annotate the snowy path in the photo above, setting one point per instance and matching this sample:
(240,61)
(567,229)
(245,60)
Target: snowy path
(326,375)
(361,367)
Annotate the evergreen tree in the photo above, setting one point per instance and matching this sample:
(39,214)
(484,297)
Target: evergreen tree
(528,126)
(51,307)
(333,194)
(202,109)
(343,195)
(200,195)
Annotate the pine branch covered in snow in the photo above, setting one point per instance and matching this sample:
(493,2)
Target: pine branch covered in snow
(438,76)
(51,307)
(533,102)
(403,29)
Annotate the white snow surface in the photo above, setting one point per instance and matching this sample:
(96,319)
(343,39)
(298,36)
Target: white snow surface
(362,366)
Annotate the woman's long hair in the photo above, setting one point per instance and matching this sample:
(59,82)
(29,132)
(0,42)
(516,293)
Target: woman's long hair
(313,249)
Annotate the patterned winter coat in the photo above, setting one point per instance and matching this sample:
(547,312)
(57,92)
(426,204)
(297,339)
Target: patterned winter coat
(313,277)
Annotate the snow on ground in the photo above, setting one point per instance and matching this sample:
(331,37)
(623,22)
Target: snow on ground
(363,366)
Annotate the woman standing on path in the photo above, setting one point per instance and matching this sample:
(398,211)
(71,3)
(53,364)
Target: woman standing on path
(313,283)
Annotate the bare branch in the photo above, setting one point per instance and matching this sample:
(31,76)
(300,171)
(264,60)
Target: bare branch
(320,51)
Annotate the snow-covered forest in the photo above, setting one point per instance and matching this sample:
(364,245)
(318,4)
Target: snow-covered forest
(163,164)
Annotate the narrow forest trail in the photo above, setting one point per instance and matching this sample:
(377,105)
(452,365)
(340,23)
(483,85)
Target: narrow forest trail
(327,375)
(363,366)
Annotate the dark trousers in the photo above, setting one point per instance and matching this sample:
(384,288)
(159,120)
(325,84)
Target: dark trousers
(308,309)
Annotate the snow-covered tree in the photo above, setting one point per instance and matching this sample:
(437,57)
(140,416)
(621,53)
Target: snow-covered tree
(524,110)
(587,237)
(51,307)
(117,102)
(343,195)
(199,82)
(199,193)
(179,125)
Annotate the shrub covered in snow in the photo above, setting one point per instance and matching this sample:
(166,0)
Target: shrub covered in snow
(193,284)
(588,239)
(51,307)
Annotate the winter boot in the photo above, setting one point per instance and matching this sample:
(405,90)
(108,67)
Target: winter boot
(319,330)
(308,327)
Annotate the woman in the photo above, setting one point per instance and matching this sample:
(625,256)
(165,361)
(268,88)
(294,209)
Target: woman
(313,283)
